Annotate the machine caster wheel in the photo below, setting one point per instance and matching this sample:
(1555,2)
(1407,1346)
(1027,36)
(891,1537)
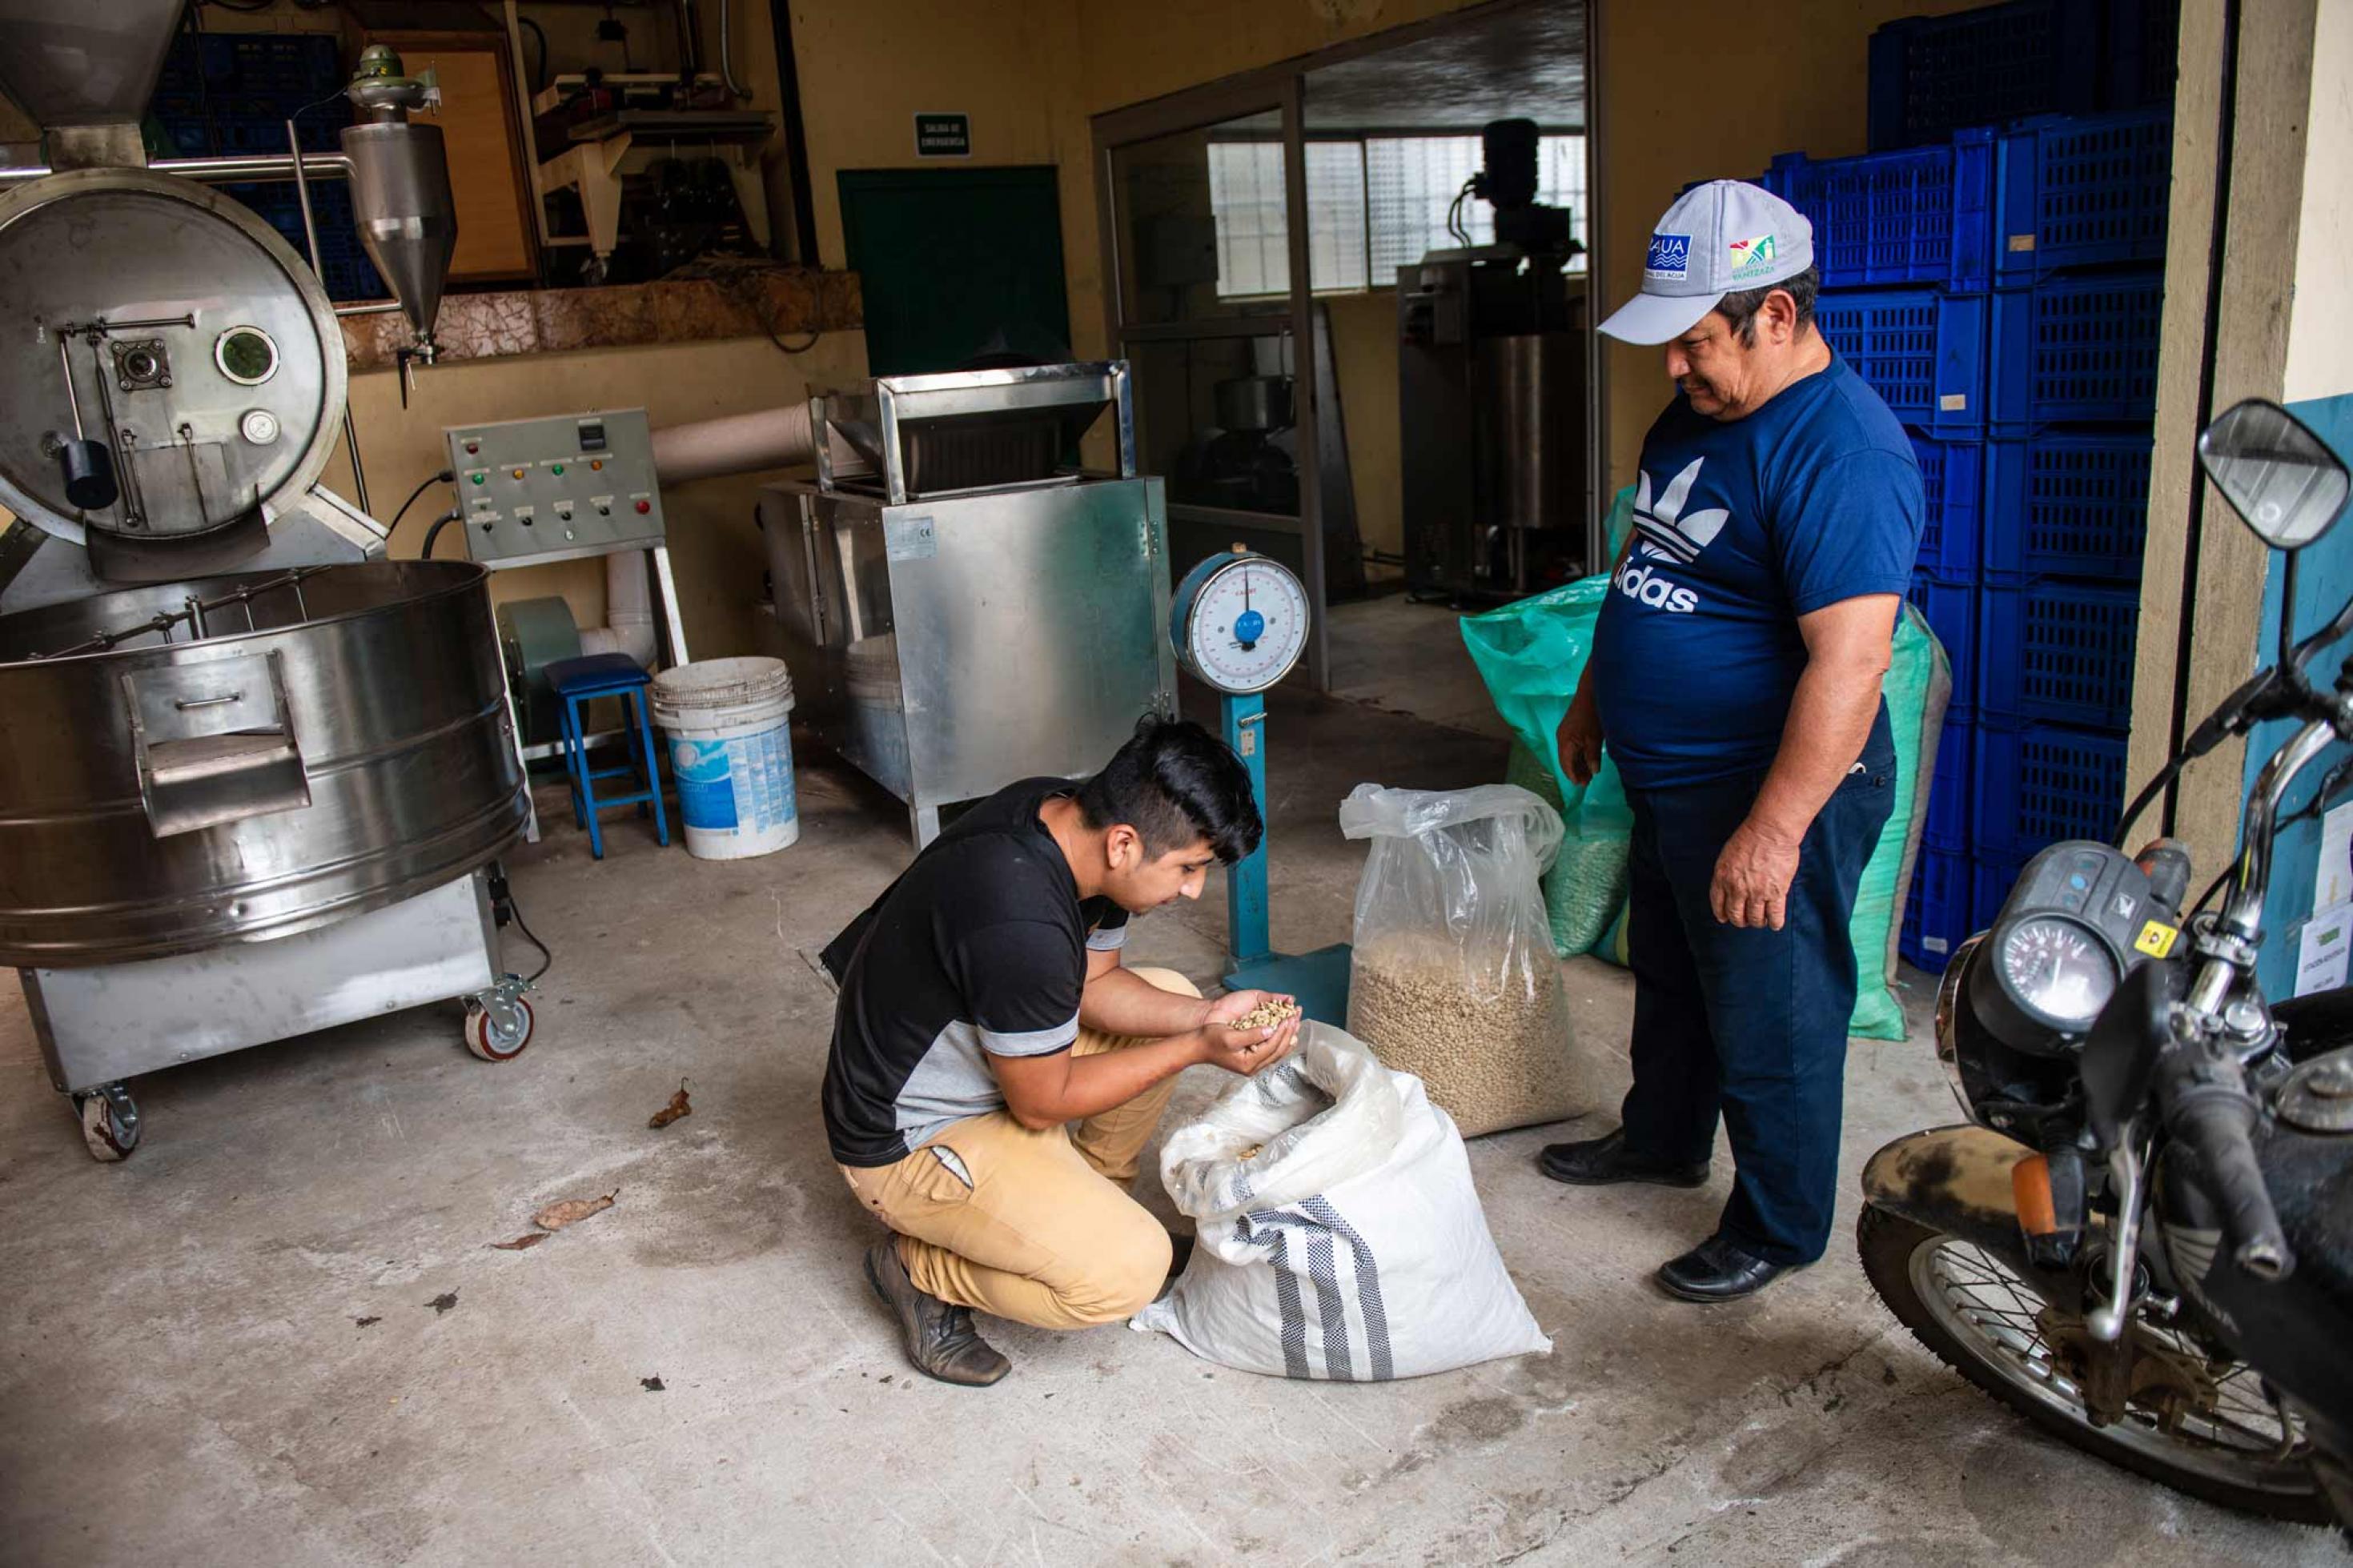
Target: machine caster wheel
(109,1122)
(498,1024)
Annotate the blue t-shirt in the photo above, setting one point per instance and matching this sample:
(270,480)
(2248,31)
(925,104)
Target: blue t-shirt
(1739,529)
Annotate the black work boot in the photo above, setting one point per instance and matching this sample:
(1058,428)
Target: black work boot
(1718,1270)
(1597,1162)
(940,1338)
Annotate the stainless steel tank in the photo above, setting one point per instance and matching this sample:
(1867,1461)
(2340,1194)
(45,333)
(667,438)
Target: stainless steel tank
(350,750)
(1531,423)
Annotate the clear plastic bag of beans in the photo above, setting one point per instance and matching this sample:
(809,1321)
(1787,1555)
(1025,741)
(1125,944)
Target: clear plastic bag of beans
(1453,978)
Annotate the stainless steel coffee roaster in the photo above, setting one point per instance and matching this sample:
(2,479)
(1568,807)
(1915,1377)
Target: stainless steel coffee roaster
(253,776)
(1493,351)
(962,605)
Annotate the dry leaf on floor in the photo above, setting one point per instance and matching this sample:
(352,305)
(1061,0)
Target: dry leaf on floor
(522,1243)
(677,1108)
(571,1211)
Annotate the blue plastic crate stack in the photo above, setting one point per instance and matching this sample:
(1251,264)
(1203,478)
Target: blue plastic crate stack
(224,93)
(2001,287)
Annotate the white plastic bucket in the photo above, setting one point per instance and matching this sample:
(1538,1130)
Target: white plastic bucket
(728,724)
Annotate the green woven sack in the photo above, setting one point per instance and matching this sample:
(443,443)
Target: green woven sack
(1586,885)
(1530,655)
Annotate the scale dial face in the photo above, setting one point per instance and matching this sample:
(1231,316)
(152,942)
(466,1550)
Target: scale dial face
(1247,625)
(2058,969)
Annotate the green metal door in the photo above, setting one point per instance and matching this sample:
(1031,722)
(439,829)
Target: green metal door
(956,264)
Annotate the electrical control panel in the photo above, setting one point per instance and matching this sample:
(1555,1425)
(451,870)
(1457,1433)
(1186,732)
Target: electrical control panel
(550,490)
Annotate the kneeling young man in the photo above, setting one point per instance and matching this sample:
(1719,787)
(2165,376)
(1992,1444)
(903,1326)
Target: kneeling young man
(996,1073)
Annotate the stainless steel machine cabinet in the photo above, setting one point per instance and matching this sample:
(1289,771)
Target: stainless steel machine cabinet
(254,777)
(962,606)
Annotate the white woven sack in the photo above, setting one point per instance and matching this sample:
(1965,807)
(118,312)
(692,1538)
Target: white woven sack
(1350,1245)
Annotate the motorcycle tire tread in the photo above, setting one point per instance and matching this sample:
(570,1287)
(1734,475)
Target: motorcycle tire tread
(1886,1243)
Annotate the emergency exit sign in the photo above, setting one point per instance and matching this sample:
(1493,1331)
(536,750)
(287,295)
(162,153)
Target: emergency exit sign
(943,135)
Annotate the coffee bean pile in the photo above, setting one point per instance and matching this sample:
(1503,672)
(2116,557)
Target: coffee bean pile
(1489,1061)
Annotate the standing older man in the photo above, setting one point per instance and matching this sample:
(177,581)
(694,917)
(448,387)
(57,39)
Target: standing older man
(1736,674)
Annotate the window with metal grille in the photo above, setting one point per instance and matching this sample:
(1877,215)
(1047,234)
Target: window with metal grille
(1374,204)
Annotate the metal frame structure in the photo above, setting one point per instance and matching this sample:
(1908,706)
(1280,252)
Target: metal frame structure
(1280,89)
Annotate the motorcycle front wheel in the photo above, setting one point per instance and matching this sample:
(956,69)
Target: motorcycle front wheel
(2206,1428)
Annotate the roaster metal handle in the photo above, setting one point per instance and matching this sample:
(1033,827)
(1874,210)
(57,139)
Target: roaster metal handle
(214,741)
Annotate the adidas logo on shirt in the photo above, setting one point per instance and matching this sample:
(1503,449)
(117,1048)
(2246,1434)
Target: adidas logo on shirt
(1664,529)
(1664,533)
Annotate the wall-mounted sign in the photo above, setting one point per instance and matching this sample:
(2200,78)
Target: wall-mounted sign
(943,135)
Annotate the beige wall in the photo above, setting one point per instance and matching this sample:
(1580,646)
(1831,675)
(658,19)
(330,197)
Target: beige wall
(867,71)
(715,546)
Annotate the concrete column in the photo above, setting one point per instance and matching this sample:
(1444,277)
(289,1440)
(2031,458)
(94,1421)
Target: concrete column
(2281,268)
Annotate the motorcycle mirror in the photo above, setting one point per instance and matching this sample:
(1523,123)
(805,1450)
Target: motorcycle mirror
(2280,477)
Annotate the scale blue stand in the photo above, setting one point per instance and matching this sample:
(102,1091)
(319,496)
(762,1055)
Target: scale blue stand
(1252,649)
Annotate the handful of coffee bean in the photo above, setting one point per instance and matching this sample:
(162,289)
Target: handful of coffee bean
(1267,1014)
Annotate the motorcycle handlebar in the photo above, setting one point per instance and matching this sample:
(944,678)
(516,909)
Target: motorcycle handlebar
(2213,1120)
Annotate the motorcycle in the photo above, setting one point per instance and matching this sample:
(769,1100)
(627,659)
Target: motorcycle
(2142,1240)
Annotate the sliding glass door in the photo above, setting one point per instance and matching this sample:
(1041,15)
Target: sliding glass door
(1268,242)
(1204,249)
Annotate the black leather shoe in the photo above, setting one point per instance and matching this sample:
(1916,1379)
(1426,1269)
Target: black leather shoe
(1716,1271)
(1597,1162)
(940,1338)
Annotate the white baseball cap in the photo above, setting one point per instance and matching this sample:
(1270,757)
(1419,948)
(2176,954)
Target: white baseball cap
(1718,238)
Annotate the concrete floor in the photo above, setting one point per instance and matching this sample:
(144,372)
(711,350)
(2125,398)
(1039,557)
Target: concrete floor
(280,1334)
(1394,655)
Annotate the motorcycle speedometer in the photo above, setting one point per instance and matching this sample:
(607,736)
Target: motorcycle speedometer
(2055,970)
(2078,916)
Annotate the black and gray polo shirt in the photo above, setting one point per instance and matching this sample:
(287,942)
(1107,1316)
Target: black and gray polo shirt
(979,948)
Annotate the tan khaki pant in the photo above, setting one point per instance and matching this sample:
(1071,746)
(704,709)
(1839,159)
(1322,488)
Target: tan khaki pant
(1044,1232)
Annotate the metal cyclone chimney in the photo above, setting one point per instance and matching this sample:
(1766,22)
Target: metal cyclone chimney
(400,188)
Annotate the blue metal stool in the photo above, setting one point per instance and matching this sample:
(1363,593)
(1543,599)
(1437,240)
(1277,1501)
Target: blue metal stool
(579,680)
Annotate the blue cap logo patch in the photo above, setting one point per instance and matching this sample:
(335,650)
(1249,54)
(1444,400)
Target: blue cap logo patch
(1670,256)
